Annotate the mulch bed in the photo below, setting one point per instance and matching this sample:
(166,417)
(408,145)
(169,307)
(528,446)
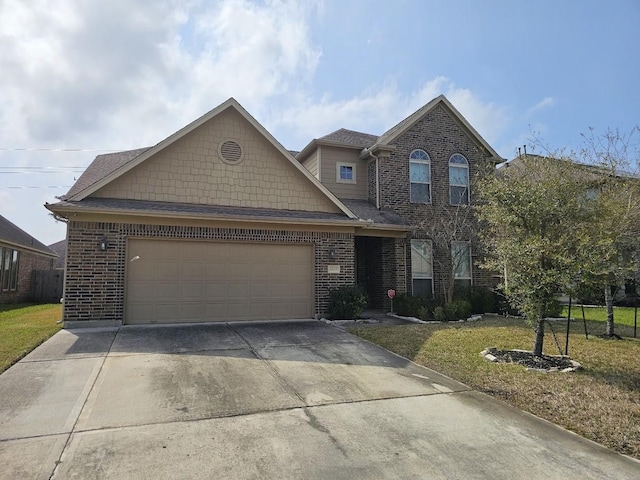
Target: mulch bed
(546,363)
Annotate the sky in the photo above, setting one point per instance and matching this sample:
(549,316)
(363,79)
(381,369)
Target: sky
(79,78)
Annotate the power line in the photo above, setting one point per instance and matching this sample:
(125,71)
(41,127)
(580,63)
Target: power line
(54,171)
(58,167)
(31,149)
(18,187)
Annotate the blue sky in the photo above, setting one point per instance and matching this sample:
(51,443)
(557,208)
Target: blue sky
(114,75)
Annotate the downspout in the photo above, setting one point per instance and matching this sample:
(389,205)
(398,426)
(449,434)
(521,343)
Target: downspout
(377,179)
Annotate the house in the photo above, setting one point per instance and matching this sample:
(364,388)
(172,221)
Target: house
(220,222)
(617,243)
(20,255)
(60,249)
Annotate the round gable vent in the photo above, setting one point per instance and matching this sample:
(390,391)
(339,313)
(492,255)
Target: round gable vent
(230,151)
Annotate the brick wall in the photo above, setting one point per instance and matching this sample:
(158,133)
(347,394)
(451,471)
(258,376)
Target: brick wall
(27,262)
(440,135)
(95,279)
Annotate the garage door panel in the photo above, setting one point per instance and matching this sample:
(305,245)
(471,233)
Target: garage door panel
(180,281)
(166,292)
(191,293)
(192,270)
(162,268)
(239,270)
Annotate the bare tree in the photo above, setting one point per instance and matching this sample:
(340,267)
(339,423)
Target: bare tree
(450,226)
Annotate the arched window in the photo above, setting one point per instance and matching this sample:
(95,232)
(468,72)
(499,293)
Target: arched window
(458,180)
(420,177)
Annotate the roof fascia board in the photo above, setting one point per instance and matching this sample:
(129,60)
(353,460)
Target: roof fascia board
(19,246)
(310,147)
(191,216)
(430,106)
(152,151)
(377,147)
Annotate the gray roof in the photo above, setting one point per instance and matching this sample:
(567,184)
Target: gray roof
(174,208)
(367,211)
(60,249)
(14,235)
(102,166)
(351,138)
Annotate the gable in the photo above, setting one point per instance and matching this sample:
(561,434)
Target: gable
(192,170)
(442,104)
(441,135)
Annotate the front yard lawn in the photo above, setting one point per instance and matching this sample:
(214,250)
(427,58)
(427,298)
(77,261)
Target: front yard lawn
(23,327)
(600,402)
(621,315)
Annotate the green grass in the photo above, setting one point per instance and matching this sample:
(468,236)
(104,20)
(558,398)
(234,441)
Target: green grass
(23,327)
(621,315)
(601,402)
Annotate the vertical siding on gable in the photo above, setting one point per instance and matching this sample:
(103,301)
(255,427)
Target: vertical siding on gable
(330,157)
(311,164)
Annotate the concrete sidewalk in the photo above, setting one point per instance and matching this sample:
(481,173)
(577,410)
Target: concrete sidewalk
(271,400)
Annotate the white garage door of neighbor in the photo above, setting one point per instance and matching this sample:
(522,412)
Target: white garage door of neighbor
(171,281)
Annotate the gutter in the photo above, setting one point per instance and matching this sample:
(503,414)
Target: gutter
(350,222)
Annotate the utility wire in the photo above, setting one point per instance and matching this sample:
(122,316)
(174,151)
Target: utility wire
(27,149)
(18,187)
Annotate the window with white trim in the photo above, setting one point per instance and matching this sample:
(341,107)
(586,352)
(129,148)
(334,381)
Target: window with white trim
(420,177)
(8,269)
(458,180)
(345,172)
(461,263)
(421,268)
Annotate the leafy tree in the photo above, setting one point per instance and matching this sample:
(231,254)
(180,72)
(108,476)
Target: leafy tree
(534,213)
(613,254)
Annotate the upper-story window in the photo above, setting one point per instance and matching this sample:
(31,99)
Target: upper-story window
(458,180)
(420,176)
(345,172)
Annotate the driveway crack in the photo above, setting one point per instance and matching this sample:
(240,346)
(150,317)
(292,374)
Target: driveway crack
(316,425)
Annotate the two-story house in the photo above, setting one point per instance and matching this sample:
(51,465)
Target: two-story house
(220,222)
(417,176)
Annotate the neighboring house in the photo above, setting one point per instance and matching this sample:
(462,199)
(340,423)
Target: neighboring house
(626,291)
(60,249)
(20,255)
(219,222)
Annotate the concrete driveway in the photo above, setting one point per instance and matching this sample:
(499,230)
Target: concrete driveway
(295,400)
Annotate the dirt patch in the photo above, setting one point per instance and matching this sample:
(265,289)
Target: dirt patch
(545,363)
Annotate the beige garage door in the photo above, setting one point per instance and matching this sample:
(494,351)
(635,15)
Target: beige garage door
(170,281)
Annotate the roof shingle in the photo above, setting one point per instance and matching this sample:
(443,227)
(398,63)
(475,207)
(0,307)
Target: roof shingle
(351,138)
(13,234)
(102,166)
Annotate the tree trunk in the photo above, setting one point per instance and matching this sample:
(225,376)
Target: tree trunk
(608,301)
(539,338)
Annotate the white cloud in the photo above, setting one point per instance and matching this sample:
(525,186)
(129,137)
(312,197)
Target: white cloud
(378,109)
(120,74)
(546,102)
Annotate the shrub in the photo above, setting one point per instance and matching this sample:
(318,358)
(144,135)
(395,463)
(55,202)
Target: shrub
(407,305)
(440,314)
(456,310)
(347,302)
(483,300)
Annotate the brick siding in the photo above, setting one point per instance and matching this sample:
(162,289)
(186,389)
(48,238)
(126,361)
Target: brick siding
(95,279)
(440,135)
(27,262)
